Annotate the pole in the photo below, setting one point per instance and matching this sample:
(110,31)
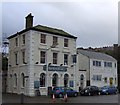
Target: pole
(46,74)
(74,76)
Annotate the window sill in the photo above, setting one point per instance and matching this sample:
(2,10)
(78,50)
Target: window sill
(22,87)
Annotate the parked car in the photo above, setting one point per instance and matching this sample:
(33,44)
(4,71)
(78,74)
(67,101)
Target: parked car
(90,90)
(60,91)
(109,90)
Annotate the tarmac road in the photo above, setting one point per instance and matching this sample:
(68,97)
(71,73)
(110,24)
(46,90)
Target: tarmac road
(14,98)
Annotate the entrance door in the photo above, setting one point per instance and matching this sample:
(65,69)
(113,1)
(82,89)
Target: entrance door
(111,81)
(82,81)
(66,77)
(55,79)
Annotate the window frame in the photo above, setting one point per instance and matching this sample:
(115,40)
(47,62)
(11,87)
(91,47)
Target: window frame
(66,42)
(55,58)
(43,38)
(65,60)
(42,57)
(23,39)
(55,40)
(42,80)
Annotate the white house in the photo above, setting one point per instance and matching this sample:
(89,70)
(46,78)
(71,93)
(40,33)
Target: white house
(100,69)
(31,49)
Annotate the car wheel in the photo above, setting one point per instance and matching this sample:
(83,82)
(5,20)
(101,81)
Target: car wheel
(76,94)
(60,95)
(89,94)
(99,93)
(107,93)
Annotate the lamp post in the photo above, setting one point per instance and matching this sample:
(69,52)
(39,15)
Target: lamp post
(53,46)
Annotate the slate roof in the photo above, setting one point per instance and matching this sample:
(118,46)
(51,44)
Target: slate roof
(45,29)
(96,55)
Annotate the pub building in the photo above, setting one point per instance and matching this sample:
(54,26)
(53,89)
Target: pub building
(41,57)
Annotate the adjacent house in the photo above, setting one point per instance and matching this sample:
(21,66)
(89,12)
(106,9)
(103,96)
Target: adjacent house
(100,68)
(40,57)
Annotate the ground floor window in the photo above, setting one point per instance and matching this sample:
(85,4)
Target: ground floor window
(42,80)
(55,79)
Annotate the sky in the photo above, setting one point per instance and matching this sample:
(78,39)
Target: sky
(93,22)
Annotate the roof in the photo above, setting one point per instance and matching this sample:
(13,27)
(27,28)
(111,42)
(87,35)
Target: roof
(96,55)
(46,29)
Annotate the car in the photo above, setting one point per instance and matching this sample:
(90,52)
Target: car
(109,90)
(90,90)
(60,92)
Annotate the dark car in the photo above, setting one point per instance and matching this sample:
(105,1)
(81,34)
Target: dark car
(109,90)
(90,90)
(60,92)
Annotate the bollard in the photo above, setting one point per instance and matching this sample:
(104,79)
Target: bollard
(22,98)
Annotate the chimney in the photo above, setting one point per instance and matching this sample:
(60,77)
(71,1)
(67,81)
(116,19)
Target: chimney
(29,21)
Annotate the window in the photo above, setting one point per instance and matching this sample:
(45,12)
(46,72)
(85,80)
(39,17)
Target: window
(42,59)
(23,39)
(115,65)
(15,80)
(107,64)
(97,63)
(65,59)
(55,40)
(22,80)
(16,41)
(105,79)
(16,58)
(97,77)
(43,38)
(115,80)
(55,58)
(23,57)
(65,42)
(42,80)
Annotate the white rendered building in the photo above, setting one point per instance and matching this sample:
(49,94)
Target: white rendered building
(31,49)
(100,69)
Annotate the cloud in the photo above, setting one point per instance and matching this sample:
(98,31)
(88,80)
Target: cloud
(94,22)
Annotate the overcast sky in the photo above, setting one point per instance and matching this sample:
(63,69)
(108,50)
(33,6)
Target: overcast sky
(94,22)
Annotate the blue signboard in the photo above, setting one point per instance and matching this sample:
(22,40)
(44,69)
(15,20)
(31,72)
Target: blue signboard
(55,68)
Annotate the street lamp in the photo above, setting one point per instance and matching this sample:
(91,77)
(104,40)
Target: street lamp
(53,46)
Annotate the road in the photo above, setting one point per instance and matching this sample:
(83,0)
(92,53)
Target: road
(13,98)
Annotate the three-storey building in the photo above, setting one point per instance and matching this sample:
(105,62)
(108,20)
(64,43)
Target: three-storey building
(40,57)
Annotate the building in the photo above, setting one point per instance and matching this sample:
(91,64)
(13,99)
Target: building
(98,68)
(40,57)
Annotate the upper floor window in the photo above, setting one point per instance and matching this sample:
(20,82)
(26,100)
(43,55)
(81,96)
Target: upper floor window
(55,58)
(16,41)
(97,63)
(115,65)
(107,64)
(55,40)
(42,55)
(43,38)
(23,39)
(23,56)
(65,59)
(65,42)
(16,58)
